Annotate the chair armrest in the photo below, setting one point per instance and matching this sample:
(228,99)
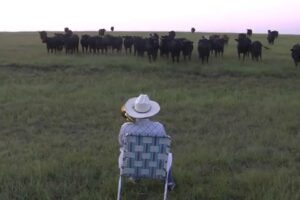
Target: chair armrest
(170,159)
(121,158)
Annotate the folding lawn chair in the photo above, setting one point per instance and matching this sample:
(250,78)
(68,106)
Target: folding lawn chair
(145,157)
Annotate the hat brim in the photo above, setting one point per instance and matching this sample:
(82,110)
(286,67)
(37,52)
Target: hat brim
(129,107)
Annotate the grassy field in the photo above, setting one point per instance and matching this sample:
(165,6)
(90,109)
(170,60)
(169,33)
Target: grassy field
(235,126)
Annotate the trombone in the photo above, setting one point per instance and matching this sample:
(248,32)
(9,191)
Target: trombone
(125,115)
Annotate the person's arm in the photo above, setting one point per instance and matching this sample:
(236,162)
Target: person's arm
(160,129)
(122,133)
(163,130)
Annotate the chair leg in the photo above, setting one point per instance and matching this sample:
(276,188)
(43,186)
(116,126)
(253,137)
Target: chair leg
(166,187)
(119,188)
(170,160)
(169,165)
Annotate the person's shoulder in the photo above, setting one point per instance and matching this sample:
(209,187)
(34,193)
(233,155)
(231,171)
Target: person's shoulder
(127,124)
(157,123)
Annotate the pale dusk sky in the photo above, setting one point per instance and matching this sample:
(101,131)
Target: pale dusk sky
(151,15)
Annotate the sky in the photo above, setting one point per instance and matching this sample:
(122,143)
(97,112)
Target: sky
(152,15)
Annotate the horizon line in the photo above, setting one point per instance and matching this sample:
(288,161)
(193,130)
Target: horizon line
(52,30)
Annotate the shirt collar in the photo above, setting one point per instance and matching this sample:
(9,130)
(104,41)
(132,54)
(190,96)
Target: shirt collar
(139,121)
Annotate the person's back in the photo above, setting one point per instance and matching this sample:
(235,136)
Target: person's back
(141,127)
(140,109)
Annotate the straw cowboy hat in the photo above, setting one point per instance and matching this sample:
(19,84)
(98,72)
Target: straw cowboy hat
(141,107)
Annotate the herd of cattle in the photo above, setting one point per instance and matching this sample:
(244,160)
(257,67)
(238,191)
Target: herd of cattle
(164,45)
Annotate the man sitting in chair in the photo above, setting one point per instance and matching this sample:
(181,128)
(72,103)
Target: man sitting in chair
(138,110)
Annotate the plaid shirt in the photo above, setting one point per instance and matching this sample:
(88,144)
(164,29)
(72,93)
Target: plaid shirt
(141,126)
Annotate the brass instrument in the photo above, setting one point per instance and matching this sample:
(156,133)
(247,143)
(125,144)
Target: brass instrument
(125,115)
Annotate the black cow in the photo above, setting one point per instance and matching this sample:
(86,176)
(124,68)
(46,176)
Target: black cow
(217,44)
(172,34)
(116,43)
(139,45)
(152,46)
(256,48)
(68,32)
(94,43)
(204,47)
(128,42)
(214,36)
(71,43)
(175,49)
(276,34)
(53,44)
(272,35)
(105,42)
(166,43)
(113,42)
(244,45)
(249,32)
(60,41)
(242,35)
(295,53)
(164,47)
(101,32)
(174,46)
(84,41)
(187,49)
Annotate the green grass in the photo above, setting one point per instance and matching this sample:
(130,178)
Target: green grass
(234,125)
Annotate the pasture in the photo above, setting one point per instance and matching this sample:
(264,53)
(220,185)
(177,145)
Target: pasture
(235,125)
